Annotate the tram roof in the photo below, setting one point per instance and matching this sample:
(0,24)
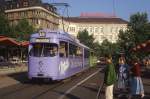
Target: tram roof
(57,34)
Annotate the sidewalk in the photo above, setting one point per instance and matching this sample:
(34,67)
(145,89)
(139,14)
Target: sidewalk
(5,75)
(11,70)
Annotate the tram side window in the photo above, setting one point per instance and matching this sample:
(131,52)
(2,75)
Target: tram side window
(72,50)
(50,50)
(79,51)
(63,49)
(86,53)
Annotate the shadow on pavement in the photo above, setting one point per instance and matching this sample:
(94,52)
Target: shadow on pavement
(21,77)
(90,88)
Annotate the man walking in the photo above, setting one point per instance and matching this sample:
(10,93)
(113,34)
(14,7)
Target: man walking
(110,78)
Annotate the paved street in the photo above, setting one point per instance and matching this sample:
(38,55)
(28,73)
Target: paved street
(82,86)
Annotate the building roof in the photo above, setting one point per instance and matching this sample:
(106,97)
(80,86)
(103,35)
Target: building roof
(18,4)
(24,43)
(96,20)
(6,41)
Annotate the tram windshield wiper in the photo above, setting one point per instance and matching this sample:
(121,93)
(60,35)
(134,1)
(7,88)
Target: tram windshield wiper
(42,52)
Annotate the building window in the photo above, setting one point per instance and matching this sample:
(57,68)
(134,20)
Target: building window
(22,14)
(11,6)
(85,28)
(117,30)
(37,21)
(96,29)
(121,28)
(72,29)
(17,5)
(15,15)
(114,30)
(103,37)
(25,14)
(25,3)
(101,29)
(91,29)
(80,28)
(10,16)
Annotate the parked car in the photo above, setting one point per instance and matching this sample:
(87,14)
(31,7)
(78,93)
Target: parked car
(101,61)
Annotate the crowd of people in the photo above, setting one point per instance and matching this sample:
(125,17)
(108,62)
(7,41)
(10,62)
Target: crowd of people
(127,77)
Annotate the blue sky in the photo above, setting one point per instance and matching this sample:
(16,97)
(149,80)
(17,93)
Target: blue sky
(123,8)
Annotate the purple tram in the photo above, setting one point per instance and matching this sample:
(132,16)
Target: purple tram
(56,55)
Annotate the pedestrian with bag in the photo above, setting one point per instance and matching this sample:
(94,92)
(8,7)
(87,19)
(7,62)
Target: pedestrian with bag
(110,78)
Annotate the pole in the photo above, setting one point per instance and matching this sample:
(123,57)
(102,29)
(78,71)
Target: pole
(114,9)
(99,90)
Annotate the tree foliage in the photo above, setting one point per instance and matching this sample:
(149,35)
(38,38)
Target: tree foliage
(4,25)
(23,30)
(139,27)
(86,39)
(138,31)
(108,48)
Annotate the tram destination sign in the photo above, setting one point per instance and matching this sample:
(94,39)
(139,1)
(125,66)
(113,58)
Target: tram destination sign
(44,40)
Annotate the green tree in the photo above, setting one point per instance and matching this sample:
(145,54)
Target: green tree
(138,31)
(107,48)
(23,30)
(139,27)
(4,25)
(86,39)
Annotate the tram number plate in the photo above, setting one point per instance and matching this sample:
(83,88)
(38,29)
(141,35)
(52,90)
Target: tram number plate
(42,40)
(40,75)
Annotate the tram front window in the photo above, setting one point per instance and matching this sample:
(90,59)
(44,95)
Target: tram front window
(43,50)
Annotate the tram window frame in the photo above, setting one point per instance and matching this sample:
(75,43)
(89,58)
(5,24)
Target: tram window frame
(72,49)
(86,53)
(65,53)
(79,51)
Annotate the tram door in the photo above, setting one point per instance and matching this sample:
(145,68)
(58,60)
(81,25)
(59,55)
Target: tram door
(63,54)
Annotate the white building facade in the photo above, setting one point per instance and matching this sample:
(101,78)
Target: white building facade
(100,28)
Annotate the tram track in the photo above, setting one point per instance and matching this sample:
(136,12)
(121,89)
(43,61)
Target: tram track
(36,90)
(35,85)
(70,80)
(43,88)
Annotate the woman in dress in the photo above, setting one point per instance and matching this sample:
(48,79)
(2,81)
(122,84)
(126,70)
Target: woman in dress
(122,75)
(136,81)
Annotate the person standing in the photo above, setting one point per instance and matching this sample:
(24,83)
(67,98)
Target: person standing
(136,81)
(123,73)
(109,78)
